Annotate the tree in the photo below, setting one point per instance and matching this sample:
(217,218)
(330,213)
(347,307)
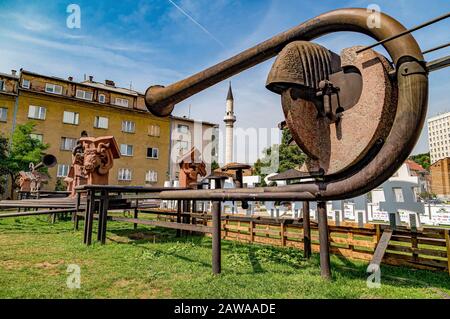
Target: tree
(214,166)
(289,157)
(3,158)
(24,150)
(60,186)
(422,159)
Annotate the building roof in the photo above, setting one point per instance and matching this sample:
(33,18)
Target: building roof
(235,166)
(438,117)
(414,166)
(441,160)
(103,86)
(87,83)
(230,93)
(186,119)
(11,76)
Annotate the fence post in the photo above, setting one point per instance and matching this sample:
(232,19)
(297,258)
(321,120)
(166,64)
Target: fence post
(179,206)
(306,230)
(252,234)
(225,228)
(283,238)
(325,266)
(350,240)
(447,240)
(239,229)
(216,237)
(136,211)
(378,233)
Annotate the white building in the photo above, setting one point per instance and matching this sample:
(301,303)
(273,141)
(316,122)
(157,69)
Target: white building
(439,137)
(187,133)
(410,172)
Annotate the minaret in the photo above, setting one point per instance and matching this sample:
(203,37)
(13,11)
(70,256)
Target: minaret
(229,126)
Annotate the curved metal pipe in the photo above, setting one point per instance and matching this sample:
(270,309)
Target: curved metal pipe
(161,100)
(412,81)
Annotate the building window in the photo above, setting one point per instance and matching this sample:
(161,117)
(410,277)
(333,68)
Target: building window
(101,122)
(68,144)
(154,130)
(126,150)
(63,170)
(152,152)
(84,95)
(128,126)
(183,147)
(398,193)
(3,114)
(2,85)
(26,84)
(102,98)
(36,112)
(125,174)
(183,129)
(71,118)
(38,137)
(53,88)
(121,102)
(151,177)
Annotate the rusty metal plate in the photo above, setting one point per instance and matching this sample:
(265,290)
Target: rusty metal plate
(335,146)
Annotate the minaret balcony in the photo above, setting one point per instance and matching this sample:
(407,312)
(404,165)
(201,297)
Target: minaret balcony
(229,118)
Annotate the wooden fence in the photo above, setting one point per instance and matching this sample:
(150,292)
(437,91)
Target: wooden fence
(428,248)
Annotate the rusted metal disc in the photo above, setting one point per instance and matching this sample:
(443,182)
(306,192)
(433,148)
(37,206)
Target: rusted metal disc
(367,115)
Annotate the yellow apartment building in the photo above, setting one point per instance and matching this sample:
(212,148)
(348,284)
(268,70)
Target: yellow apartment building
(8,97)
(62,109)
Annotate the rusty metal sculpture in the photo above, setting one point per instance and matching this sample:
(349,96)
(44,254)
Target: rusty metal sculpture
(356,117)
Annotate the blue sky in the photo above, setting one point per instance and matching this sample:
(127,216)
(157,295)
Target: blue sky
(146,42)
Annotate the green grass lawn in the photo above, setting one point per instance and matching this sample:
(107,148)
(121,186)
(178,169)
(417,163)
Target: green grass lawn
(153,263)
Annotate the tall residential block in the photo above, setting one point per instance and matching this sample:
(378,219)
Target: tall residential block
(439,137)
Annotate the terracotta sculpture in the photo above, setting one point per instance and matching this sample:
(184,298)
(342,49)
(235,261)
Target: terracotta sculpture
(76,176)
(98,158)
(31,181)
(191,166)
(25,181)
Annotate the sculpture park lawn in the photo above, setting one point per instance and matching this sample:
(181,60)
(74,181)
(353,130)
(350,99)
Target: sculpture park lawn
(153,263)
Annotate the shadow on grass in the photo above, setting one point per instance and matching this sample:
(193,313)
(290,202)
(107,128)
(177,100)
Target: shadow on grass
(259,254)
(254,254)
(254,261)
